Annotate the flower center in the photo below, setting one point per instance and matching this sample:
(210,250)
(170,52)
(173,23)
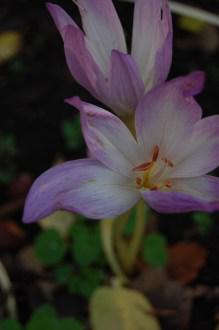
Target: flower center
(150,175)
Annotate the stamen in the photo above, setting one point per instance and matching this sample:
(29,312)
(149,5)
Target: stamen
(138,181)
(155,154)
(168,184)
(151,174)
(143,167)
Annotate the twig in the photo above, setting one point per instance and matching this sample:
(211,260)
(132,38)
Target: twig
(193,12)
(6,287)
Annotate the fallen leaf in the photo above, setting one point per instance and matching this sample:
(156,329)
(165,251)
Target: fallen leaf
(29,261)
(191,24)
(185,261)
(11,235)
(121,309)
(10,45)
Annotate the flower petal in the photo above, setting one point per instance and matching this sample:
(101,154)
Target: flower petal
(103,29)
(79,60)
(201,155)
(192,84)
(195,194)
(165,117)
(125,83)
(83,186)
(108,139)
(152,40)
(60,18)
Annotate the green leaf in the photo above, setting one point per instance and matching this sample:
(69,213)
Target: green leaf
(50,247)
(86,282)
(86,245)
(7,145)
(63,273)
(70,324)
(10,324)
(72,133)
(43,318)
(130,225)
(155,250)
(203,222)
(121,309)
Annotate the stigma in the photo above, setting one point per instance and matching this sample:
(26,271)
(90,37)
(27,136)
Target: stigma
(150,175)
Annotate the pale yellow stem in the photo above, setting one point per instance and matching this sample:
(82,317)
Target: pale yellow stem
(107,236)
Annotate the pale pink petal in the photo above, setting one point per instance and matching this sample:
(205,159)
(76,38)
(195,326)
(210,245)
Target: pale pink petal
(192,83)
(125,83)
(84,186)
(201,154)
(165,117)
(103,29)
(60,18)
(152,40)
(194,194)
(79,60)
(108,139)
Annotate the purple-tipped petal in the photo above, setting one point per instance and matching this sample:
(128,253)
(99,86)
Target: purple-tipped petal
(125,83)
(83,186)
(165,117)
(108,139)
(191,84)
(201,155)
(195,194)
(103,29)
(60,18)
(79,60)
(152,40)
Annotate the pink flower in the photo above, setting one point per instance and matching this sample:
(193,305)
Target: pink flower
(98,58)
(165,165)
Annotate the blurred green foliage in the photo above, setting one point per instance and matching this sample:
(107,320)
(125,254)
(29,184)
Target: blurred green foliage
(10,324)
(86,281)
(81,275)
(43,318)
(203,222)
(8,152)
(86,244)
(63,273)
(155,250)
(72,134)
(50,247)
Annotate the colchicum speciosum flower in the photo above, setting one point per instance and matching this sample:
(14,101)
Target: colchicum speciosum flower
(165,163)
(98,59)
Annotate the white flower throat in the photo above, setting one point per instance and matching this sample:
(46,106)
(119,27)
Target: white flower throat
(151,175)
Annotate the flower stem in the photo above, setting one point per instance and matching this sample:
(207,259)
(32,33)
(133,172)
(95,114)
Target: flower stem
(121,254)
(135,244)
(107,231)
(130,252)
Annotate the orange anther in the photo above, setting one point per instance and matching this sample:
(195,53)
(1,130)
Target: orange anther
(155,153)
(138,181)
(168,184)
(143,167)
